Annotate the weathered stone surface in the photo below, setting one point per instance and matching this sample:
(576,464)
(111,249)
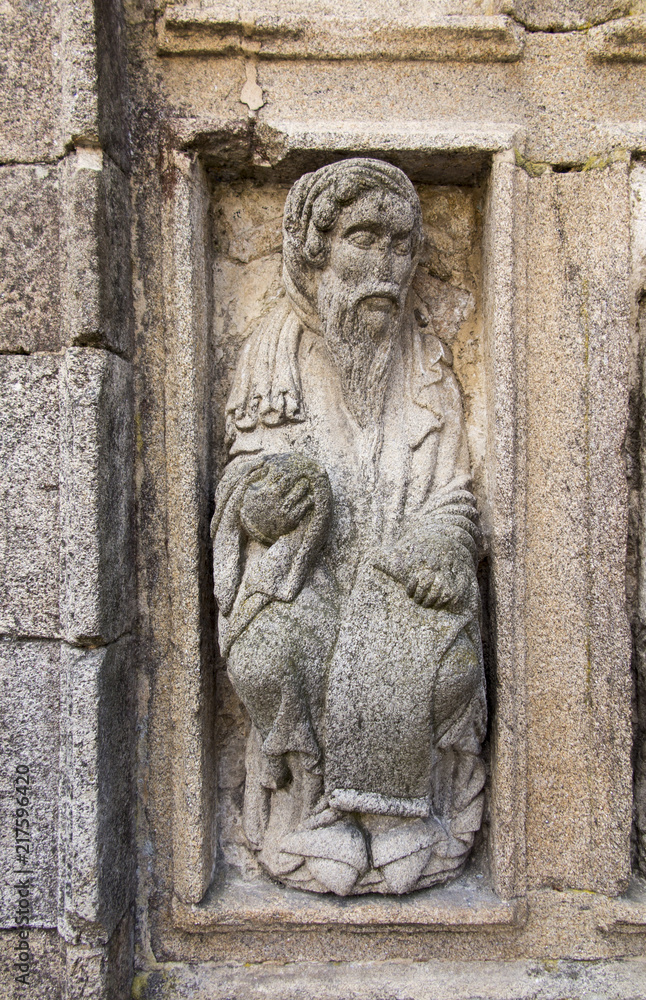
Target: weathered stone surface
(343,31)
(30,313)
(503,516)
(638,229)
(187,458)
(520,980)
(112,81)
(96,288)
(388,110)
(78,78)
(29,738)
(66,245)
(29,531)
(53,91)
(101,972)
(638,199)
(620,41)
(97,805)
(97,558)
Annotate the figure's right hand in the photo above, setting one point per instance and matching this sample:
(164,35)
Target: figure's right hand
(277,501)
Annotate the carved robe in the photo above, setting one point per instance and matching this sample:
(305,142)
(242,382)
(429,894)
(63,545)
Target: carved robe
(379,699)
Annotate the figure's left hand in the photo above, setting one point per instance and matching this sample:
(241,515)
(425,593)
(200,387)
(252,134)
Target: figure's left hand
(436,572)
(441,578)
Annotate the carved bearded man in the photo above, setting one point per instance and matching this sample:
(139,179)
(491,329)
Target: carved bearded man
(345,557)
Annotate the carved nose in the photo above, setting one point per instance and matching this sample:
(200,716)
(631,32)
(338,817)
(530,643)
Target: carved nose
(385,266)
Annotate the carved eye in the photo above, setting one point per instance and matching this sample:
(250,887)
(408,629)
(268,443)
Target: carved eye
(402,247)
(362,238)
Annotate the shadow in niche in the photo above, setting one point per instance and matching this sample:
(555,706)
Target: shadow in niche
(421,168)
(479,855)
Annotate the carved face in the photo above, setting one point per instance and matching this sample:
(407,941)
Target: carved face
(371,254)
(362,291)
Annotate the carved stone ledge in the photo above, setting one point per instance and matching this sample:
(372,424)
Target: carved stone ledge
(626,914)
(232,904)
(620,41)
(438,152)
(225,29)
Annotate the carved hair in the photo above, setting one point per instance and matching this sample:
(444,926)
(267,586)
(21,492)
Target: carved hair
(315,201)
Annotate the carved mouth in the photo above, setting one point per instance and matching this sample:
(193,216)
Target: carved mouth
(380,303)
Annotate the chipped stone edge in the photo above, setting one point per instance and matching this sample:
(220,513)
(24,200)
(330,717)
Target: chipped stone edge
(626,914)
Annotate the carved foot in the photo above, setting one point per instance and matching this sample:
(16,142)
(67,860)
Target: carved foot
(336,855)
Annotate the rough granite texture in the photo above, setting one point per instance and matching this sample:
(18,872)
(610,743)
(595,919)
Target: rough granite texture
(95,281)
(30,311)
(578,272)
(97,572)
(30,534)
(97,810)
(547,15)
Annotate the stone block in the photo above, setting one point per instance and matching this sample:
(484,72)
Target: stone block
(29,97)
(93,83)
(29,281)
(548,15)
(96,279)
(29,734)
(78,76)
(348,30)
(97,806)
(29,529)
(59,85)
(102,972)
(97,557)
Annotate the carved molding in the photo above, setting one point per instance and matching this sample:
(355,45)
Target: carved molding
(225,29)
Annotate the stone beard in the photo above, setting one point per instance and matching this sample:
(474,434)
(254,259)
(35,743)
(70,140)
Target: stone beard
(360,358)
(345,550)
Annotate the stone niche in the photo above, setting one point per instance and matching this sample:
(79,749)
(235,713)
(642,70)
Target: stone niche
(223,256)
(247,284)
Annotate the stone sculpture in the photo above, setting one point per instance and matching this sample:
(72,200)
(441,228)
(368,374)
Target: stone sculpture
(345,550)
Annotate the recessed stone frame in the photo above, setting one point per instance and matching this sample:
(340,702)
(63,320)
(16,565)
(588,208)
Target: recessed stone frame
(431,158)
